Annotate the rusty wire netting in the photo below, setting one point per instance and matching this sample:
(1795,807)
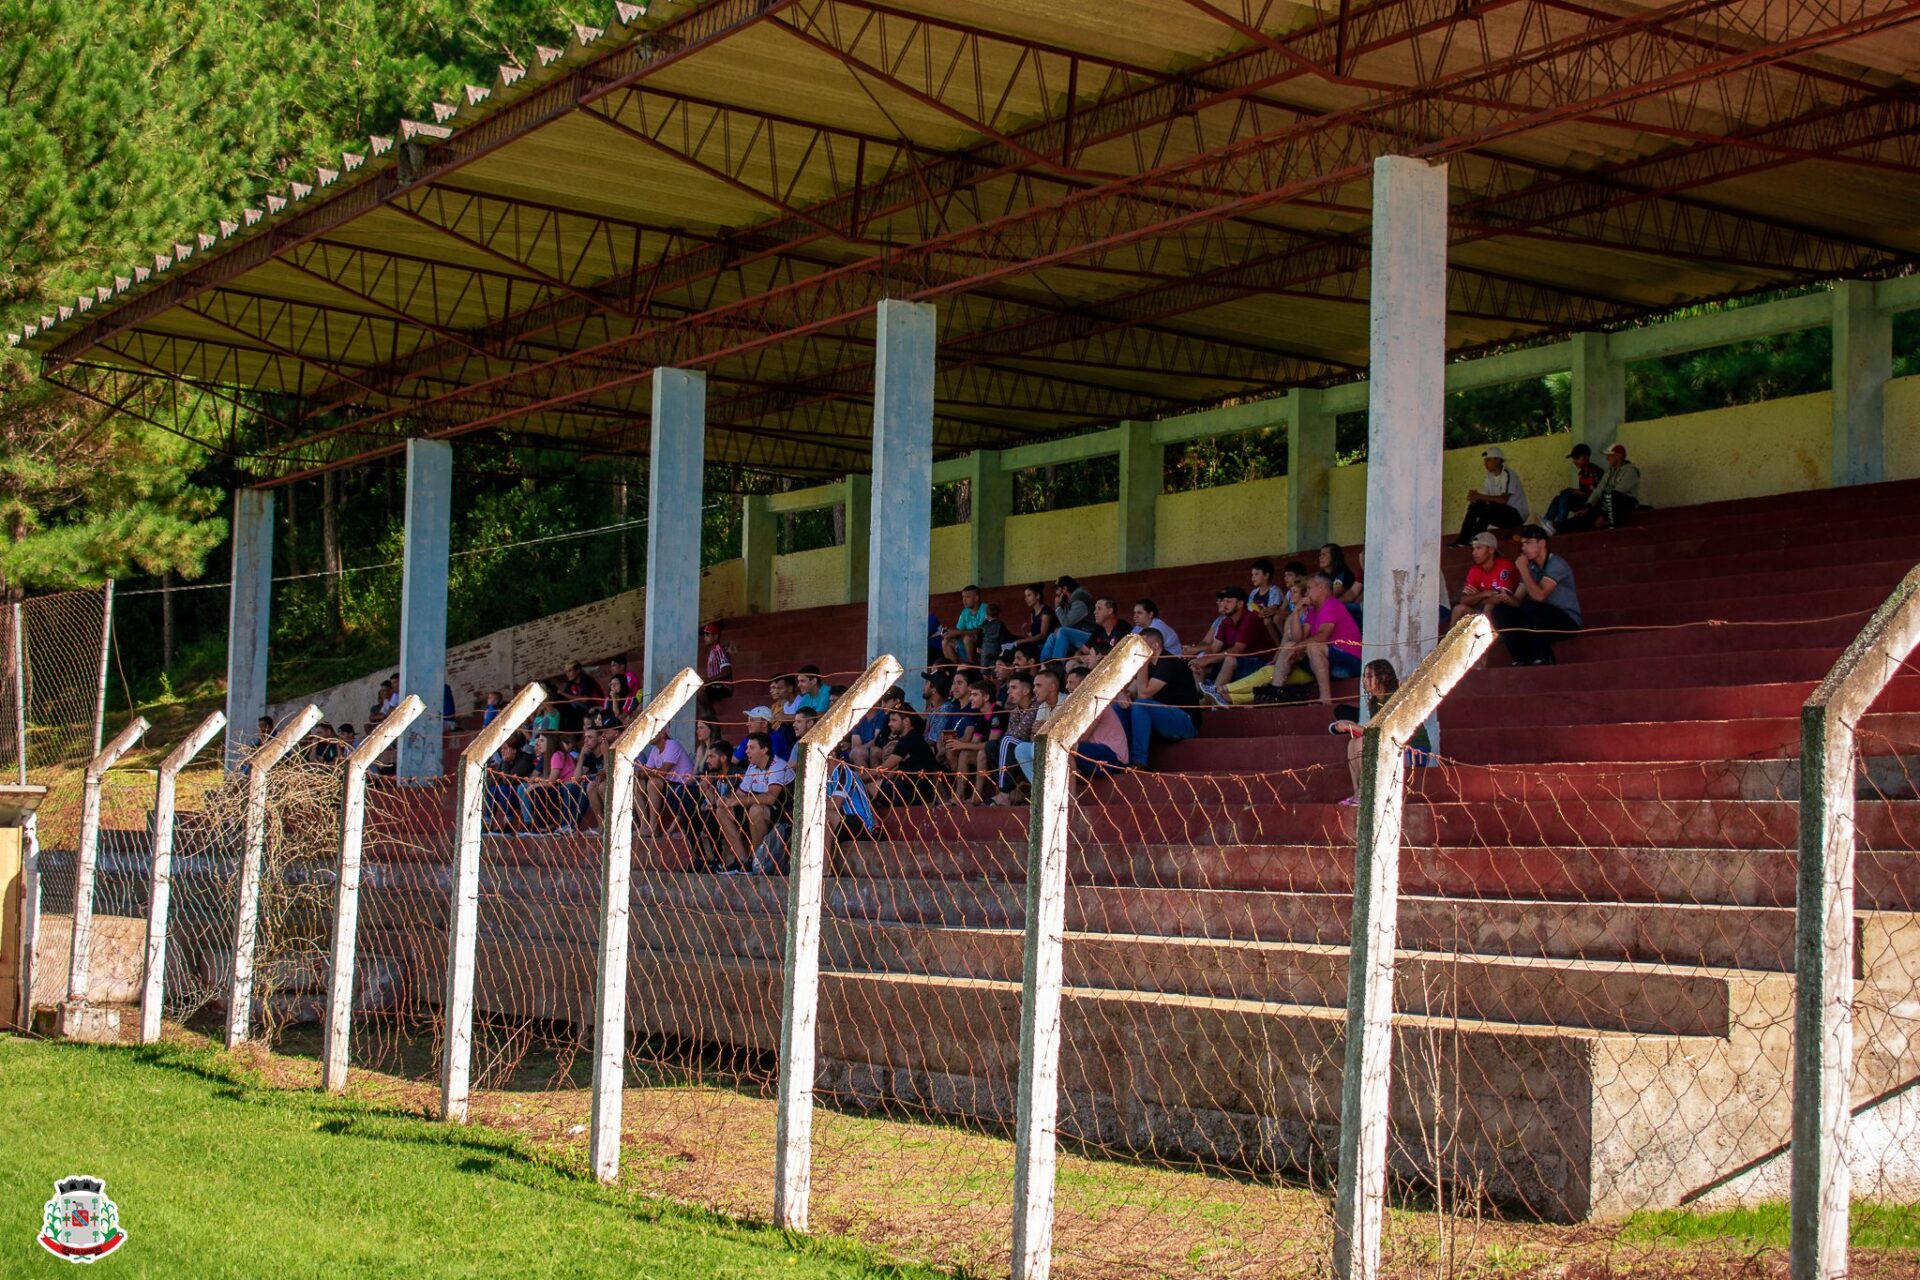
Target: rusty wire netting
(1593,1000)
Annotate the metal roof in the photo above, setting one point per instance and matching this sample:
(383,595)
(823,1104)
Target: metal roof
(1122,207)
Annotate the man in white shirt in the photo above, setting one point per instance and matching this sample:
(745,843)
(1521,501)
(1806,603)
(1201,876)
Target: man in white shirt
(1499,503)
(757,802)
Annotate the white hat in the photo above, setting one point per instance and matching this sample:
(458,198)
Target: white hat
(759,713)
(1493,452)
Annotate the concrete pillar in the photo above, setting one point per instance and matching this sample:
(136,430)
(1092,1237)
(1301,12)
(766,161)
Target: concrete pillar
(1406,400)
(249,612)
(1142,471)
(1599,395)
(1309,469)
(675,497)
(423,604)
(899,568)
(857,494)
(990,498)
(757,533)
(1862,363)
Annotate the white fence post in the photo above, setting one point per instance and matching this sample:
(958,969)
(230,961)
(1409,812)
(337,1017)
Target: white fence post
(1035,1129)
(800,985)
(253,857)
(86,856)
(29,844)
(463,923)
(1361,1189)
(160,889)
(616,908)
(346,890)
(1819,1202)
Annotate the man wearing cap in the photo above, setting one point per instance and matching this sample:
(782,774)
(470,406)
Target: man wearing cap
(716,670)
(1542,608)
(779,740)
(1238,632)
(1499,503)
(1585,476)
(1492,576)
(1614,498)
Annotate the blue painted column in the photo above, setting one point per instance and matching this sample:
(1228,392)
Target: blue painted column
(1406,400)
(249,611)
(423,604)
(900,548)
(675,497)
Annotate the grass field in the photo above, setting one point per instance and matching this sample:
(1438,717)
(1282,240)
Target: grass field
(218,1175)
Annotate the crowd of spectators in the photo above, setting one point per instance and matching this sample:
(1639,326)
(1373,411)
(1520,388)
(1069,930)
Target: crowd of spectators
(992,681)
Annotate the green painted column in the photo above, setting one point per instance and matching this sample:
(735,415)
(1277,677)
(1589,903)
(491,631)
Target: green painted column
(1862,363)
(1309,468)
(990,492)
(757,534)
(1142,470)
(858,496)
(1599,393)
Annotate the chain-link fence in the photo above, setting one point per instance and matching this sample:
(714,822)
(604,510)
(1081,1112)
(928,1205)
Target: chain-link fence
(60,674)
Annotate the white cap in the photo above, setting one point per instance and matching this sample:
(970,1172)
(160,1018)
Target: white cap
(1493,452)
(759,713)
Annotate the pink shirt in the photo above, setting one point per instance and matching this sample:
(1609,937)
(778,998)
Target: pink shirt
(560,766)
(1346,632)
(1110,733)
(673,758)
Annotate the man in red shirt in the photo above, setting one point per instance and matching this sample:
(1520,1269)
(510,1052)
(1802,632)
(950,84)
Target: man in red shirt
(1239,632)
(1491,577)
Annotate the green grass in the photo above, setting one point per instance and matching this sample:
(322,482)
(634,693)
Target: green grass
(217,1175)
(1873,1226)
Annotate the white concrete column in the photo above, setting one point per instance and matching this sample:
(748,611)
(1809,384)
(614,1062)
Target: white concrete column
(899,560)
(1406,400)
(423,604)
(675,497)
(1862,363)
(1599,395)
(1309,469)
(249,612)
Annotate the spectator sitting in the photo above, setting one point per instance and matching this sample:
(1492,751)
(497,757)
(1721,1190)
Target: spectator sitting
(1491,577)
(1018,727)
(1046,697)
(993,637)
(546,719)
(936,695)
(1073,609)
(906,775)
(755,805)
(1108,630)
(717,666)
(496,703)
(779,740)
(666,777)
(507,772)
(378,707)
(1585,476)
(965,753)
(943,728)
(1499,503)
(1166,703)
(590,773)
(1346,583)
(1237,635)
(1381,683)
(962,642)
(810,693)
(551,799)
(1102,749)
(780,693)
(1614,498)
(348,738)
(1040,621)
(867,743)
(579,693)
(1328,640)
(1146,616)
(263,729)
(936,636)
(322,747)
(1543,606)
(1267,599)
(623,689)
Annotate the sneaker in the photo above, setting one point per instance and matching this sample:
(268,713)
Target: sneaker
(1548,526)
(1219,699)
(1350,802)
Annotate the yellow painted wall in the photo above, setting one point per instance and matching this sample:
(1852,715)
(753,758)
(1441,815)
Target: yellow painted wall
(1903,428)
(1046,544)
(1777,446)
(1223,523)
(952,556)
(723,590)
(805,579)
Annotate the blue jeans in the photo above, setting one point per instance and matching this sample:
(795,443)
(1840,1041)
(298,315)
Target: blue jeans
(1148,720)
(1061,644)
(1096,759)
(1565,504)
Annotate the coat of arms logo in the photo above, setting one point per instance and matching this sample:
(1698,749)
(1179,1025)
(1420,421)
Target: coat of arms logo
(82,1225)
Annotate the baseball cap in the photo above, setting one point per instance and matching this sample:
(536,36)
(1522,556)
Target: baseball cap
(1494,451)
(1230,593)
(759,713)
(1582,450)
(1534,531)
(1486,538)
(1617,447)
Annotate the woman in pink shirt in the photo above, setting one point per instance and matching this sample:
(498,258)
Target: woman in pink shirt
(1329,640)
(552,799)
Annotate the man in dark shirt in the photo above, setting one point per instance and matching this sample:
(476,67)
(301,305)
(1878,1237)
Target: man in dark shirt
(910,763)
(511,769)
(1166,701)
(1108,629)
(578,693)
(1238,633)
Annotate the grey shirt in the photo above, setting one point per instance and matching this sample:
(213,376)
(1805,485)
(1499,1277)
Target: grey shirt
(1077,610)
(1563,596)
(1623,479)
